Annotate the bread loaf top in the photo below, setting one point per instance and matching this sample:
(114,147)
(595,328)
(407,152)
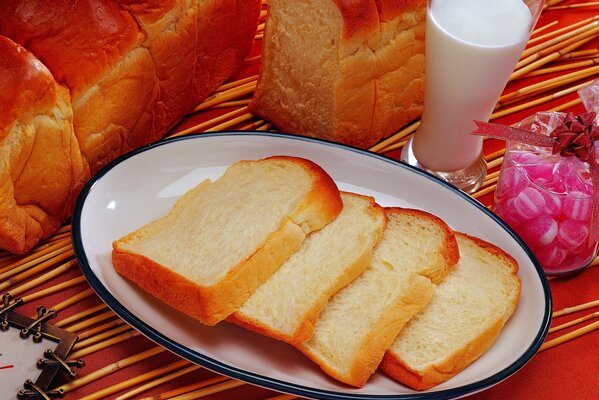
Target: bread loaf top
(27,85)
(78,41)
(364,16)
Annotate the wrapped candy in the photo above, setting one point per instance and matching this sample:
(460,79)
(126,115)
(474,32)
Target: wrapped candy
(548,188)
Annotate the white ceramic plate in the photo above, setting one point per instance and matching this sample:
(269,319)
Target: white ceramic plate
(143,185)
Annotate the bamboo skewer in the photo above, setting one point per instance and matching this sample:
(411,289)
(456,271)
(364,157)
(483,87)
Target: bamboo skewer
(392,139)
(43,278)
(495,163)
(574,322)
(548,84)
(107,370)
(237,83)
(561,39)
(530,63)
(66,321)
(110,324)
(507,111)
(232,103)
(226,95)
(74,299)
(254,125)
(543,28)
(35,258)
(91,321)
(580,307)
(213,121)
(569,336)
(567,105)
(484,191)
(23,272)
(564,67)
(218,388)
(495,155)
(99,337)
(231,123)
(133,381)
(54,289)
(107,343)
(189,388)
(264,127)
(577,5)
(564,29)
(158,382)
(578,54)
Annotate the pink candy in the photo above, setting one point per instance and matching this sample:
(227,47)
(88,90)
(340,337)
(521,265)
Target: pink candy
(542,230)
(547,201)
(529,203)
(577,208)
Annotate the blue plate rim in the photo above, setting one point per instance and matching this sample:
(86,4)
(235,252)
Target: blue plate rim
(276,384)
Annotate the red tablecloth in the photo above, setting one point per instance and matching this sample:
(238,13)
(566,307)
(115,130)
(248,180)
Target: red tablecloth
(568,371)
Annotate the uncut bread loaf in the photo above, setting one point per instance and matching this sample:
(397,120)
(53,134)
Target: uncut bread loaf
(350,71)
(223,239)
(42,168)
(361,321)
(466,314)
(287,305)
(118,74)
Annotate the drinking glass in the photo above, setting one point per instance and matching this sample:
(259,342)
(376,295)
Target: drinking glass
(472,47)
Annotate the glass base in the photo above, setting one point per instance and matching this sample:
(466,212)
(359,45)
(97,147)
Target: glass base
(468,179)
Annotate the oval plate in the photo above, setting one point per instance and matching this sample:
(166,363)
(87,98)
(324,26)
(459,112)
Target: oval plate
(143,185)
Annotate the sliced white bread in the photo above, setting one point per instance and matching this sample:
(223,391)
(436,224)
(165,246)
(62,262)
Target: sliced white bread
(361,321)
(223,239)
(287,305)
(469,309)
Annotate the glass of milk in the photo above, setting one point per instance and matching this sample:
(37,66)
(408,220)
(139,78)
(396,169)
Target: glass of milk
(472,47)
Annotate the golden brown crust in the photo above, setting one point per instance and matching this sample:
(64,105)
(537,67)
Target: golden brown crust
(449,254)
(322,204)
(305,329)
(363,16)
(78,41)
(211,304)
(436,374)
(43,170)
(393,366)
(214,303)
(384,333)
(162,56)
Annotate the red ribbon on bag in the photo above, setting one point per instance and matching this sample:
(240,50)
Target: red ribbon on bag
(574,136)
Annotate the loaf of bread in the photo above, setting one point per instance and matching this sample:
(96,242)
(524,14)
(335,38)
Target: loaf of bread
(343,70)
(467,312)
(127,71)
(223,239)
(287,305)
(362,320)
(42,169)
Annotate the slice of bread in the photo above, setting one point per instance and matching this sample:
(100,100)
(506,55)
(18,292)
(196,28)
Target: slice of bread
(469,309)
(223,239)
(287,305)
(361,321)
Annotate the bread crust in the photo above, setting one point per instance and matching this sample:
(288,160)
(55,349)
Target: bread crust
(163,57)
(433,375)
(42,167)
(363,16)
(210,304)
(360,79)
(213,303)
(305,328)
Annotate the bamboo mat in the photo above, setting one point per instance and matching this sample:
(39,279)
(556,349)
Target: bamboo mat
(561,58)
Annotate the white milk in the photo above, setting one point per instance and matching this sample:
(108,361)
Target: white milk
(472,46)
